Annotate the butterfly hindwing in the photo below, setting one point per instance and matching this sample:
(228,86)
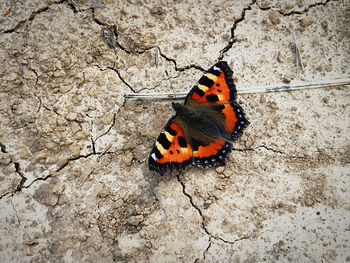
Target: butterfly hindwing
(212,154)
(171,149)
(240,121)
(234,119)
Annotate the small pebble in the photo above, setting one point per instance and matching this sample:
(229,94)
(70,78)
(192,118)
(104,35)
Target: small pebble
(280,57)
(306,21)
(72,116)
(274,17)
(265,4)
(135,220)
(220,169)
(6,11)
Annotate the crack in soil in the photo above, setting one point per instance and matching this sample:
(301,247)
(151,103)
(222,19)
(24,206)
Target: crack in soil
(32,242)
(110,127)
(30,19)
(20,186)
(93,145)
(175,64)
(93,141)
(23,178)
(293,12)
(211,236)
(259,147)
(204,252)
(41,104)
(5,194)
(307,9)
(18,171)
(233,40)
(74,159)
(16,214)
(268,149)
(110,32)
(121,78)
(233,28)
(72,5)
(3,148)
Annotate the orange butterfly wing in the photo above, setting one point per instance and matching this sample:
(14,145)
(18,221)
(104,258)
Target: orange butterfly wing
(171,150)
(212,154)
(217,87)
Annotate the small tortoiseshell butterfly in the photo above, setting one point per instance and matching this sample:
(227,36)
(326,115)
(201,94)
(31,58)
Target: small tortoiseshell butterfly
(200,131)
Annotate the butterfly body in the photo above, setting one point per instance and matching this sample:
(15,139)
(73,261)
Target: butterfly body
(202,119)
(200,131)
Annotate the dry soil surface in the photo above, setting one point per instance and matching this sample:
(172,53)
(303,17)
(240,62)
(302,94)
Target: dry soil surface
(75,186)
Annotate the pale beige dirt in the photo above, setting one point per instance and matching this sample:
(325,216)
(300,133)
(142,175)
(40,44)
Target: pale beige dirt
(75,186)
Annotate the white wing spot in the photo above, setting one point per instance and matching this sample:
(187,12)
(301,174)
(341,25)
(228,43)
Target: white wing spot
(216,68)
(153,155)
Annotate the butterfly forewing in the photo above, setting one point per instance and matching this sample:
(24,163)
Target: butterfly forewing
(215,86)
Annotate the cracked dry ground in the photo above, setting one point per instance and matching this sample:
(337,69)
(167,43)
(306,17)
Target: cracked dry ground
(74,180)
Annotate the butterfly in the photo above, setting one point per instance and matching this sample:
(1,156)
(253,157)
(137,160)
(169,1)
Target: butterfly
(202,128)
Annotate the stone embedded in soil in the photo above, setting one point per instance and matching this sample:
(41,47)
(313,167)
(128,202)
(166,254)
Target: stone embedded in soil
(5,158)
(66,88)
(43,154)
(118,203)
(103,192)
(45,195)
(286,7)
(220,169)
(306,21)
(135,220)
(274,17)
(265,4)
(72,116)
(281,57)
(127,158)
(76,149)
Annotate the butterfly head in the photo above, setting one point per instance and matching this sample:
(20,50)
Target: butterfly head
(183,111)
(176,106)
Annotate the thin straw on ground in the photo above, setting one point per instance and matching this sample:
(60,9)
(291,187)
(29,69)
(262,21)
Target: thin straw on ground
(267,89)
